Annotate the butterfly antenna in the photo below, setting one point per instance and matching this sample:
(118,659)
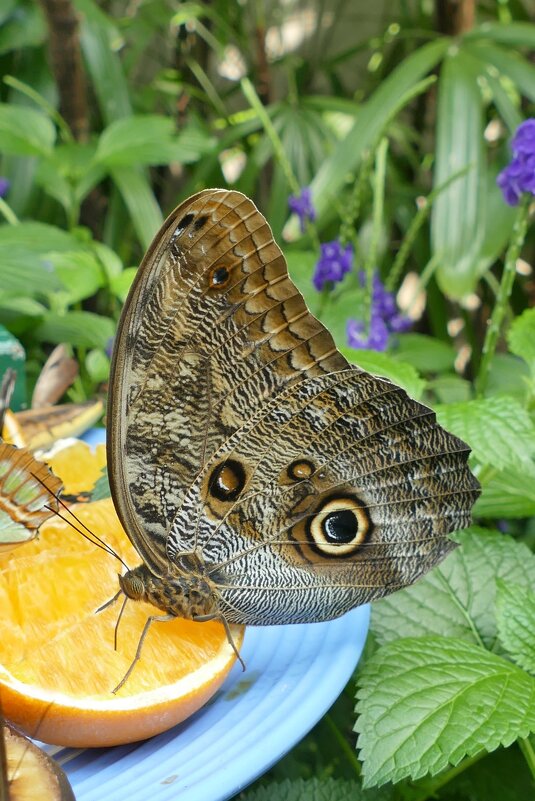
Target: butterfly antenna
(94,539)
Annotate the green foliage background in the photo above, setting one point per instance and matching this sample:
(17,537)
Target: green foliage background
(400,133)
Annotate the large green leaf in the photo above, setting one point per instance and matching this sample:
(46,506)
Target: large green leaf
(24,131)
(499,430)
(427,702)
(456,598)
(515,616)
(521,337)
(382,364)
(508,494)
(458,213)
(324,789)
(371,120)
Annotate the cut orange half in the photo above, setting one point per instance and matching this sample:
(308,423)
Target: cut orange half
(58,661)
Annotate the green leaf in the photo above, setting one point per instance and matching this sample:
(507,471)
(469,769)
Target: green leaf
(511,33)
(456,598)
(509,376)
(21,27)
(450,388)
(80,273)
(509,63)
(24,131)
(79,328)
(149,139)
(426,354)
(521,337)
(371,120)
(498,429)
(515,616)
(139,199)
(101,489)
(427,702)
(101,42)
(404,375)
(458,213)
(97,365)
(508,494)
(315,790)
(120,284)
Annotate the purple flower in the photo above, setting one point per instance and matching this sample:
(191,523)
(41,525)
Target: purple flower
(377,338)
(333,263)
(519,175)
(302,206)
(385,319)
(524,138)
(108,350)
(4,186)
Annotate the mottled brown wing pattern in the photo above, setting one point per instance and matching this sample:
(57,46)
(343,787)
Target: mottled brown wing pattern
(303,485)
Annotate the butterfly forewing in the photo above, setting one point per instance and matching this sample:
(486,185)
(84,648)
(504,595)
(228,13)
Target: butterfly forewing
(304,485)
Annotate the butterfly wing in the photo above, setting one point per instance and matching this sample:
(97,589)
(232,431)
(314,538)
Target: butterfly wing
(240,433)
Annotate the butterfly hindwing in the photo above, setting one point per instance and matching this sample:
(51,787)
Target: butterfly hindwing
(303,485)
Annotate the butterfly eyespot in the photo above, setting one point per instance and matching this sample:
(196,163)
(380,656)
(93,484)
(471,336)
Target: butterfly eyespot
(219,277)
(300,470)
(227,481)
(339,527)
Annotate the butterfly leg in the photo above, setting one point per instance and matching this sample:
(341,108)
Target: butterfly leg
(205,618)
(150,620)
(108,603)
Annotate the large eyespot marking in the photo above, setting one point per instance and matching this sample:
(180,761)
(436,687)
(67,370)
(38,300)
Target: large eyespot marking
(227,481)
(219,278)
(300,470)
(339,527)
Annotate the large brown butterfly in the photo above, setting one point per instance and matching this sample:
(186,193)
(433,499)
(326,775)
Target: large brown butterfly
(261,477)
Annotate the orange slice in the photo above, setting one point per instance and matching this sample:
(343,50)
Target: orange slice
(58,662)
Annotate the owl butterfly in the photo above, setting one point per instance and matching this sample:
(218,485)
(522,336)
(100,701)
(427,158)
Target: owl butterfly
(261,477)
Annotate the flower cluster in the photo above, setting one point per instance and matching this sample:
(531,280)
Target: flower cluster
(302,206)
(385,319)
(519,175)
(4,186)
(334,262)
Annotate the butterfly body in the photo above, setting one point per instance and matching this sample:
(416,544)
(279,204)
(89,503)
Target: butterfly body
(303,485)
(180,594)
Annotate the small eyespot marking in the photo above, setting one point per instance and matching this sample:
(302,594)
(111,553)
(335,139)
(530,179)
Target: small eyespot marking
(183,224)
(219,278)
(227,480)
(200,222)
(300,470)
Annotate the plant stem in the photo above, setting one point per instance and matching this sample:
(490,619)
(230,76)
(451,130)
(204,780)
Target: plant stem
(370,265)
(8,213)
(343,744)
(417,221)
(528,751)
(255,103)
(433,785)
(504,292)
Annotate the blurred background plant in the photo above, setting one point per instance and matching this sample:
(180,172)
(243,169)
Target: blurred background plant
(385,129)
